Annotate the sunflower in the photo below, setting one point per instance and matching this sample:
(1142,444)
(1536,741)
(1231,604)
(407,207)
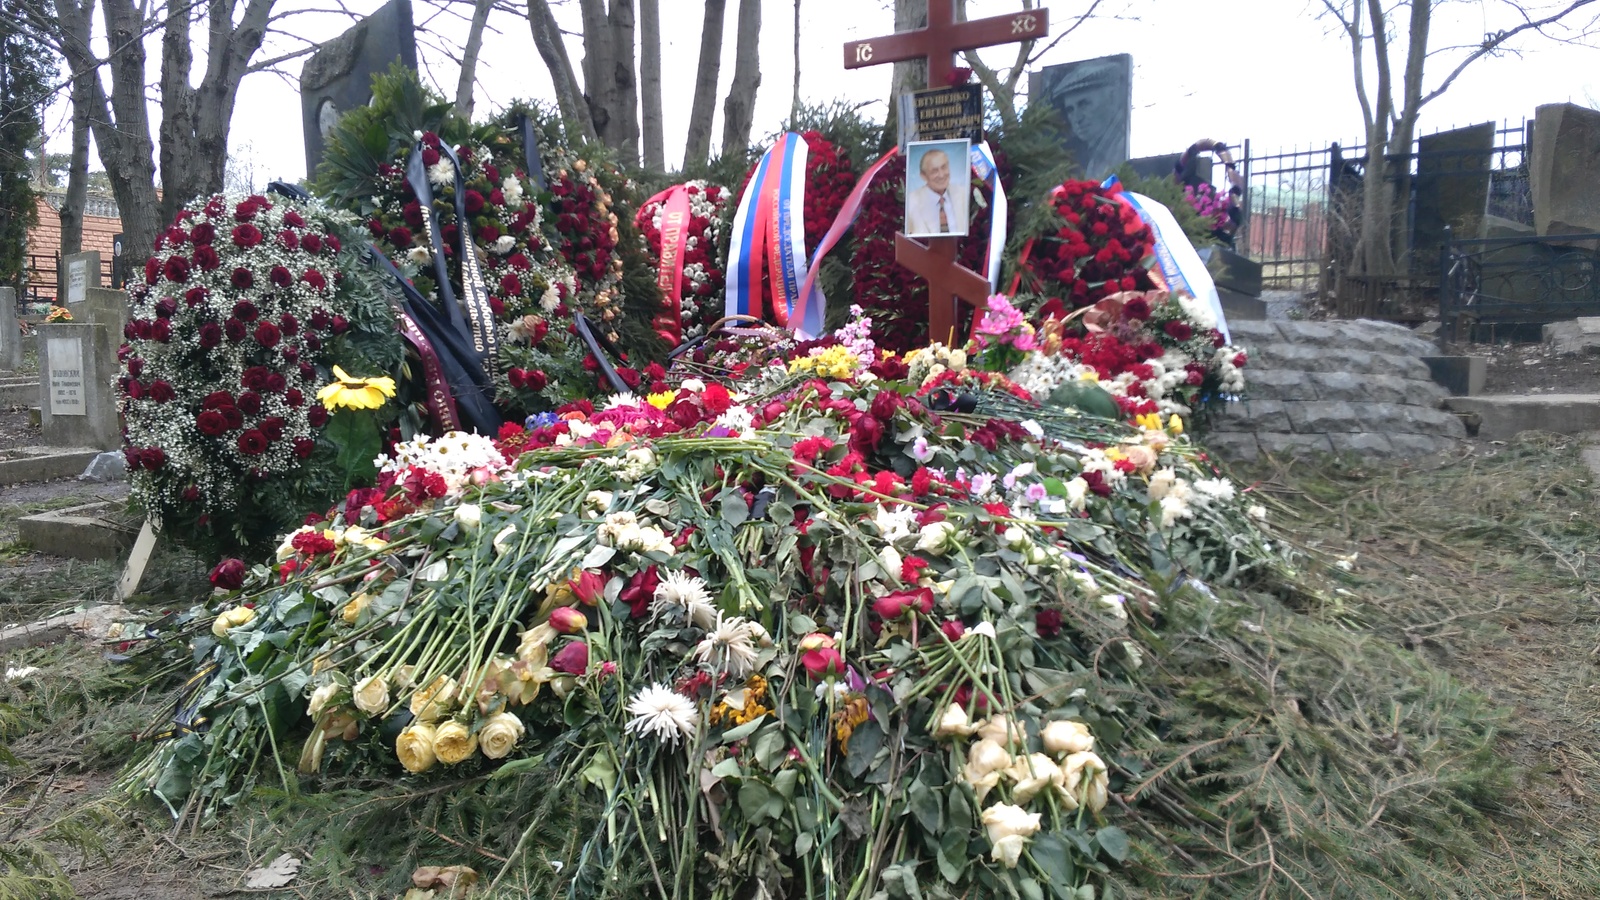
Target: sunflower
(348,392)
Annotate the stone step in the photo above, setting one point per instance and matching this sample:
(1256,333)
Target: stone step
(43,463)
(1247,446)
(1504,416)
(1342,416)
(1310,358)
(1360,334)
(1293,384)
(15,395)
(91,531)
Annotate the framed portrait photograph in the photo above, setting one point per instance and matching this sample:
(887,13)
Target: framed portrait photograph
(938,188)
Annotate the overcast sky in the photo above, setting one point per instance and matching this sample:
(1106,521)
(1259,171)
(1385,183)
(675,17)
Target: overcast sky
(1266,70)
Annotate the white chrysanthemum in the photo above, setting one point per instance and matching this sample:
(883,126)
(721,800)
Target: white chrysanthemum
(896,524)
(550,300)
(1214,489)
(664,713)
(511,190)
(505,244)
(686,593)
(441,173)
(421,256)
(730,647)
(737,418)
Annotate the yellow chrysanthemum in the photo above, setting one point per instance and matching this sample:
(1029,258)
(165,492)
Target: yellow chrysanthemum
(59,314)
(348,392)
(662,400)
(833,362)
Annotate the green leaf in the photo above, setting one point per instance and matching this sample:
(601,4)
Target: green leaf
(924,805)
(953,855)
(734,510)
(743,731)
(517,767)
(758,802)
(769,748)
(728,768)
(600,772)
(1114,841)
(1052,854)
(784,783)
(1030,889)
(865,742)
(355,436)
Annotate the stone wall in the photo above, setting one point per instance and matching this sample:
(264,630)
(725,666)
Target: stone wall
(1335,387)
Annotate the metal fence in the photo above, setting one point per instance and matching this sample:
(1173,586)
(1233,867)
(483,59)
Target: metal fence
(1303,206)
(44,276)
(1488,283)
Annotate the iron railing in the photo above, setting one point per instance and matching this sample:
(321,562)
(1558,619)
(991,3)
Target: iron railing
(1521,280)
(44,276)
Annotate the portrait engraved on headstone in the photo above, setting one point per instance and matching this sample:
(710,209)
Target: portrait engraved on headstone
(338,77)
(1094,98)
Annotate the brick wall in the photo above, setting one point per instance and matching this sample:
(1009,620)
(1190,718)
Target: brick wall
(44,244)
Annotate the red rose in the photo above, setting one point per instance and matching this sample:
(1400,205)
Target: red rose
(318,417)
(203,234)
(195,296)
(430,156)
(510,284)
(212,423)
(162,392)
(210,335)
(152,270)
(474,202)
(229,574)
(275,382)
(245,311)
(488,233)
(176,269)
(294,398)
(246,236)
(1048,622)
(132,388)
(573,659)
(252,443)
(245,211)
(822,662)
(268,335)
(191,494)
(281,276)
(1179,331)
(233,417)
(303,447)
(289,324)
(312,243)
(165,307)
(412,213)
(235,330)
(250,402)
(242,278)
(254,378)
(340,325)
(272,427)
(293,218)
(400,236)
(640,591)
(161,330)
(289,240)
(315,279)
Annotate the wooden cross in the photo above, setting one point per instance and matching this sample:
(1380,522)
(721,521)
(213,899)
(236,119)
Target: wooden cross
(949,282)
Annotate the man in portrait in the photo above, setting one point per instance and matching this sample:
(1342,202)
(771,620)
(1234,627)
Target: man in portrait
(937,191)
(1094,98)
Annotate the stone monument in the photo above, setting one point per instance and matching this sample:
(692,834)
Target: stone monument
(338,77)
(1565,170)
(1453,171)
(10,331)
(77,407)
(1094,98)
(78,273)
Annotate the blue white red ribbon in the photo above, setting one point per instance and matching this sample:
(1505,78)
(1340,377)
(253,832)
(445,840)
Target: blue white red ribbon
(1181,266)
(812,309)
(984,166)
(769,233)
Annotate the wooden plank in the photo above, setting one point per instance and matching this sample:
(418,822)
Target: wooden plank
(143,546)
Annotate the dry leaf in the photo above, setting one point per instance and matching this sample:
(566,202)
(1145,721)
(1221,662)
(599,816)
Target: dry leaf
(275,874)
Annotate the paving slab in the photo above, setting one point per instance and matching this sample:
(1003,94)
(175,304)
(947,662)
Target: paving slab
(96,623)
(78,532)
(1504,416)
(25,464)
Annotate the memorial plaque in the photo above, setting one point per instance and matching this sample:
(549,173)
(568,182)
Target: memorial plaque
(338,77)
(67,390)
(79,273)
(942,114)
(1094,98)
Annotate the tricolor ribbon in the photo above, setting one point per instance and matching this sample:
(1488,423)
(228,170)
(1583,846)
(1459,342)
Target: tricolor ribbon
(1181,267)
(812,308)
(984,166)
(674,232)
(769,233)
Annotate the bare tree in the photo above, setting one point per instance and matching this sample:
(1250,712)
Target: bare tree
(1002,85)
(608,78)
(1390,106)
(698,146)
(655,153)
(739,109)
(569,97)
(469,57)
(70,212)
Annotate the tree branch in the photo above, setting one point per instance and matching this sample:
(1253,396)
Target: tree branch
(1492,43)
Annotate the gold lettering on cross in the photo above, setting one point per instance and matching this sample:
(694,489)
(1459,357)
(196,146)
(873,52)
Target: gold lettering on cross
(863,52)
(1024,24)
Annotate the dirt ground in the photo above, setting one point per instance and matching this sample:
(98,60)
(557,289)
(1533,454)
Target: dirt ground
(1534,369)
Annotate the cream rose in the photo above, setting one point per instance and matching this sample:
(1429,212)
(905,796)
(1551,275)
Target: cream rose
(372,695)
(1002,730)
(937,538)
(1032,774)
(320,698)
(1064,737)
(414,747)
(954,723)
(1084,780)
(469,516)
(452,743)
(432,702)
(1009,828)
(230,619)
(499,734)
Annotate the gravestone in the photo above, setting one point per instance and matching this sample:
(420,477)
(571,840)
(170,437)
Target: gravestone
(338,77)
(10,331)
(1453,172)
(1200,169)
(1565,170)
(77,407)
(79,272)
(108,307)
(1094,98)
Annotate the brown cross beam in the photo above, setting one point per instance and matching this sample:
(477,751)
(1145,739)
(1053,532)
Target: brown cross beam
(948,282)
(944,37)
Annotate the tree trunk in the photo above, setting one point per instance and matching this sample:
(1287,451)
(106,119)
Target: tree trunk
(569,99)
(698,146)
(469,58)
(625,114)
(655,152)
(738,111)
(71,210)
(599,68)
(121,125)
(907,76)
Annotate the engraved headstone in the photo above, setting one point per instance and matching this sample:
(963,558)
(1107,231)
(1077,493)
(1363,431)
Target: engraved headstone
(1094,98)
(77,407)
(1565,169)
(338,77)
(79,272)
(10,331)
(1452,187)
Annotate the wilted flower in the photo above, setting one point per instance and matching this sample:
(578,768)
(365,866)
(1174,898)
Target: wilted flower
(230,619)
(1032,774)
(573,659)
(1009,828)
(954,723)
(1084,780)
(469,516)
(568,620)
(320,698)
(731,646)
(588,587)
(1062,736)
(1003,731)
(686,593)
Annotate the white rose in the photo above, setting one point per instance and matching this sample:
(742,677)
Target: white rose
(1067,737)
(502,541)
(1161,482)
(1032,774)
(954,722)
(1009,827)
(1016,538)
(1008,850)
(1002,730)
(499,734)
(469,516)
(1077,494)
(889,558)
(372,695)
(987,756)
(1084,780)
(320,698)
(937,538)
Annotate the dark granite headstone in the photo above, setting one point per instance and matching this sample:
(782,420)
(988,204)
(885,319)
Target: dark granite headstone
(1094,98)
(1565,169)
(1453,170)
(1200,168)
(338,77)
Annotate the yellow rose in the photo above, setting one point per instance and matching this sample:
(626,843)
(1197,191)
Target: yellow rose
(352,610)
(432,702)
(1067,737)
(499,734)
(452,743)
(230,619)
(372,695)
(414,747)
(1032,774)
